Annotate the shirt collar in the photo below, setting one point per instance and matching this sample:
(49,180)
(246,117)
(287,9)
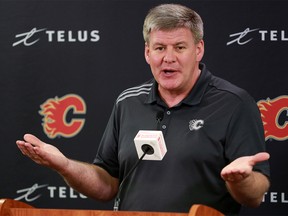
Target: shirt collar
(194,97)
(153,94)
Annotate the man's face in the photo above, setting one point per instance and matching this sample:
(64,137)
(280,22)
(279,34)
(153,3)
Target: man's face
(174,59)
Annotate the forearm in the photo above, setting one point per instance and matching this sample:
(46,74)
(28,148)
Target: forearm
(87,179)
(90,180)
(250,191)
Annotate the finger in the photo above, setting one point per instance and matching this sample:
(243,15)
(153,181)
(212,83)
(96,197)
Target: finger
(262,156)
(234,177)
(20,143)
(22,146)
(227,177)
(33,140)
(27,148)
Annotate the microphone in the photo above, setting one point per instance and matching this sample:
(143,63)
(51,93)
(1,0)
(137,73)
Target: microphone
(150,145)
(151,142)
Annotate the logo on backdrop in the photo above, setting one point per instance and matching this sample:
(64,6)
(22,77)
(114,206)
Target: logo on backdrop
(274,114)
(245,36)
(32,36)
(34,192)
(63,116)
(275,197)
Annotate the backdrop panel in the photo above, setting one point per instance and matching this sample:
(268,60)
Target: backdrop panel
(70,60)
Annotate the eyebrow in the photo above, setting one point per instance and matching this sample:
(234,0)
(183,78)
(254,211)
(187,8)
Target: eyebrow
(178,43)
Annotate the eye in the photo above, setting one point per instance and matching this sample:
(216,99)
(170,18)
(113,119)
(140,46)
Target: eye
(159,48)
(180,47)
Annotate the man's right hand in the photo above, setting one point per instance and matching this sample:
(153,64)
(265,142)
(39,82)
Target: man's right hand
(42,153)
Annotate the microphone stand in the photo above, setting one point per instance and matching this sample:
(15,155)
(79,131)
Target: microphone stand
(147,149)
(117,199)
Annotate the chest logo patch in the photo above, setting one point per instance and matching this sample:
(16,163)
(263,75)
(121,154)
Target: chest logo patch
(196,124)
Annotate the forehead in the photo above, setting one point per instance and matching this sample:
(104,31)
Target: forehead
(177,35)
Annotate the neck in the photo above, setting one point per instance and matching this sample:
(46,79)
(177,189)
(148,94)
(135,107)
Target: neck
(174,97)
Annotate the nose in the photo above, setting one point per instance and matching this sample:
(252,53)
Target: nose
(169,56)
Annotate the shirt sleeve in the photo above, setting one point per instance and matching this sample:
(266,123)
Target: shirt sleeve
(107,155)
(245,135)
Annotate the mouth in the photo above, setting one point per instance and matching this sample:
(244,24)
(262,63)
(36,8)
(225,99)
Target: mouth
(168,71)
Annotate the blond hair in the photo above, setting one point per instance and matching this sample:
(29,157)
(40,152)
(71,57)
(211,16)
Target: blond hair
(172,16)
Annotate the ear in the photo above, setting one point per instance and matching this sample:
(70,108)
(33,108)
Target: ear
(200,50)
(147,53)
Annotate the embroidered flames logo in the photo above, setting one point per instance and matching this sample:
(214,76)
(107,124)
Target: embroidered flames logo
(59,116)
(274,115)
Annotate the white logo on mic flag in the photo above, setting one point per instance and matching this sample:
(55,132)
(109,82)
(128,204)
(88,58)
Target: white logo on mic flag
(155,140)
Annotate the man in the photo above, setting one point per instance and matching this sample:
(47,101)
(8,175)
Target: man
(213,132)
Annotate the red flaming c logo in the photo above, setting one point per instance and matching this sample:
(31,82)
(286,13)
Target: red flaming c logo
(270,114)
(54,112)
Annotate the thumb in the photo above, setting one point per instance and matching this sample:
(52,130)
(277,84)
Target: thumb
(262,156)
(33,140)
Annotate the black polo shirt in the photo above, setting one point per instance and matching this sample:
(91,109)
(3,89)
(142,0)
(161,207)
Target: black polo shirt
(215,124)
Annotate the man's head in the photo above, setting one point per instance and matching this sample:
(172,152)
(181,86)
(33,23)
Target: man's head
(173,48)
(172,16)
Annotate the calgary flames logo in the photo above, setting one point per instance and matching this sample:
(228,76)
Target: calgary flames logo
(55,116)
(274,115)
